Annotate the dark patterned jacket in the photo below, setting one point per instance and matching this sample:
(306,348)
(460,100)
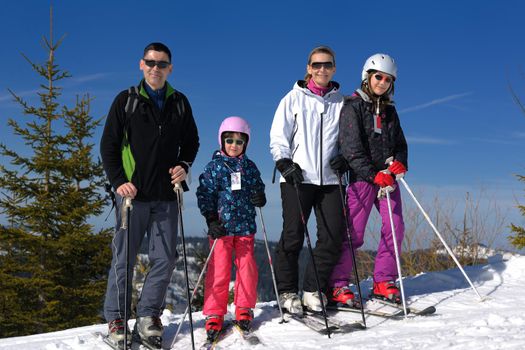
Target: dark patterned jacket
(362,144)
(215,195)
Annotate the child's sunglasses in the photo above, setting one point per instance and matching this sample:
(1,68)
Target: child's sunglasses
(238,142)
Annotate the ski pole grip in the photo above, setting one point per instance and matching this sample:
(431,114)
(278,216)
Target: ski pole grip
(127,203)
(177,188)
(126,207)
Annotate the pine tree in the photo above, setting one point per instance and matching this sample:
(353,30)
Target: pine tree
(518,240)
(53,264)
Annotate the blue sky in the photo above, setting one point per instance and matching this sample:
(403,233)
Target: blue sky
(455,58)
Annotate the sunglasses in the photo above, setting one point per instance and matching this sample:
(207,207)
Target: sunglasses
(153,63)
(380,77)
(238,142)
(319,65)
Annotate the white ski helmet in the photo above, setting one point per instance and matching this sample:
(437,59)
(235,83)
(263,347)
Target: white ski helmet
(234,124)
(380,62)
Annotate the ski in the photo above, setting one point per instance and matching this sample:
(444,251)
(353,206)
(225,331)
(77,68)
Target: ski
(410,309)
(226,330)
(247,334)
(396,314)
(341,326)
(108,342)
(314,324)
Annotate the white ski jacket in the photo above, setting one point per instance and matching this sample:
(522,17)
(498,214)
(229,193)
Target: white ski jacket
(305,129)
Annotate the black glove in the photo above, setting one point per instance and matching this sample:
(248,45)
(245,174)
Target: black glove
(339,164)
(215,228)
(291,171)
(258,199)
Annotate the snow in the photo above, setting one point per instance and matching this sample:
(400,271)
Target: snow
(462,321)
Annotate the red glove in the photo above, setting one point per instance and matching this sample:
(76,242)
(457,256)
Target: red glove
(383,180)
(397,168)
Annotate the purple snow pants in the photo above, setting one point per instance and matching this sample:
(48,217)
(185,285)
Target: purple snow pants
(361,196)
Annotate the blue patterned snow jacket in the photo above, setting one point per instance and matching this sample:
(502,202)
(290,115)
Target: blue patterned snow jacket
(214,194)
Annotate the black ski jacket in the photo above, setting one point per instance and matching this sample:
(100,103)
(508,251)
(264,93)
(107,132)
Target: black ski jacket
(158,141)
(364,148)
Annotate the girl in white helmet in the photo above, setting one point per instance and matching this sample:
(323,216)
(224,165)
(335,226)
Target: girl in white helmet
(229,190)
(369,133)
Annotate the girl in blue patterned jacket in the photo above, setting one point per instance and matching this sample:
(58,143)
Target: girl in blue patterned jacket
(229,190)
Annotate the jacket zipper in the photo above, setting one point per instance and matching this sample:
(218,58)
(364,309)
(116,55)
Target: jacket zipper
(321,152)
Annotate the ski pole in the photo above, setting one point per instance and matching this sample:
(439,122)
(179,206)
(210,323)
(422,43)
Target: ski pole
(194,291)
(440,237)
(351,247)
(309,244)
(126,211)
(178,190)
(400,178)
(396,250)
(271,265)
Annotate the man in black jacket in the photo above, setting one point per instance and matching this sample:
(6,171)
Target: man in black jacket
(147,147)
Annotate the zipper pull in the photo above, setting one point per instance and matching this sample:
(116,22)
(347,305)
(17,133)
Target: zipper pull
(160,129)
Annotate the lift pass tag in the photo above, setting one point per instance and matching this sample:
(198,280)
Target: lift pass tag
(236,181)
(377,124)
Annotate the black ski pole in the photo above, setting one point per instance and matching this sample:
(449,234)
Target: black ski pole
(127,206)
(271,266)
(351,246)
(178,190)
(194,291)
(309,244)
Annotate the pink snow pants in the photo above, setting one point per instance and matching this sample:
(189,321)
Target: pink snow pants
(219,274)
(361,196)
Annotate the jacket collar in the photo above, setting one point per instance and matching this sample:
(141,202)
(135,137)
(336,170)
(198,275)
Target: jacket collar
(142,90)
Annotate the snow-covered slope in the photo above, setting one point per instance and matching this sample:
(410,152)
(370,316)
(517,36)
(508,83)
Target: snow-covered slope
(461,320)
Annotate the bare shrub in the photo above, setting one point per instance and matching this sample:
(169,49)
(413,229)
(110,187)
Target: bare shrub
(469,229)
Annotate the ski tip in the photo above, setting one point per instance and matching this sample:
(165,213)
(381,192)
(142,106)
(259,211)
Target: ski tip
(358,326)
(428,311)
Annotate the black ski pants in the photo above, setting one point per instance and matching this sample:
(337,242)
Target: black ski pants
(327,205)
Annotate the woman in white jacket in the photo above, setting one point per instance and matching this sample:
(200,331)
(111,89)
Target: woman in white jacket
(303,142)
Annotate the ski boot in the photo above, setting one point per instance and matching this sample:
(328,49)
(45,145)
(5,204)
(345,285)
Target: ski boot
(342,296)
(115,336)
(312,302)
(149,330)
(244,317)
(291,303)
(213,326)
(388,291)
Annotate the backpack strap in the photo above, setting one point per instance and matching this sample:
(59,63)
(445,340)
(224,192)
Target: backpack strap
(181,106)
(131,105)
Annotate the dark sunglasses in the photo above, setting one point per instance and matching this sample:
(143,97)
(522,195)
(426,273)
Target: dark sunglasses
(238,142)
(319,65)
(153,63)
(380,77)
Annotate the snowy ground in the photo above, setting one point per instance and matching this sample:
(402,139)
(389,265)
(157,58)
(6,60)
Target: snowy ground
(461,320)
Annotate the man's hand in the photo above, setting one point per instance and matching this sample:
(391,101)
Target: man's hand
(127,190)
(178,174)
